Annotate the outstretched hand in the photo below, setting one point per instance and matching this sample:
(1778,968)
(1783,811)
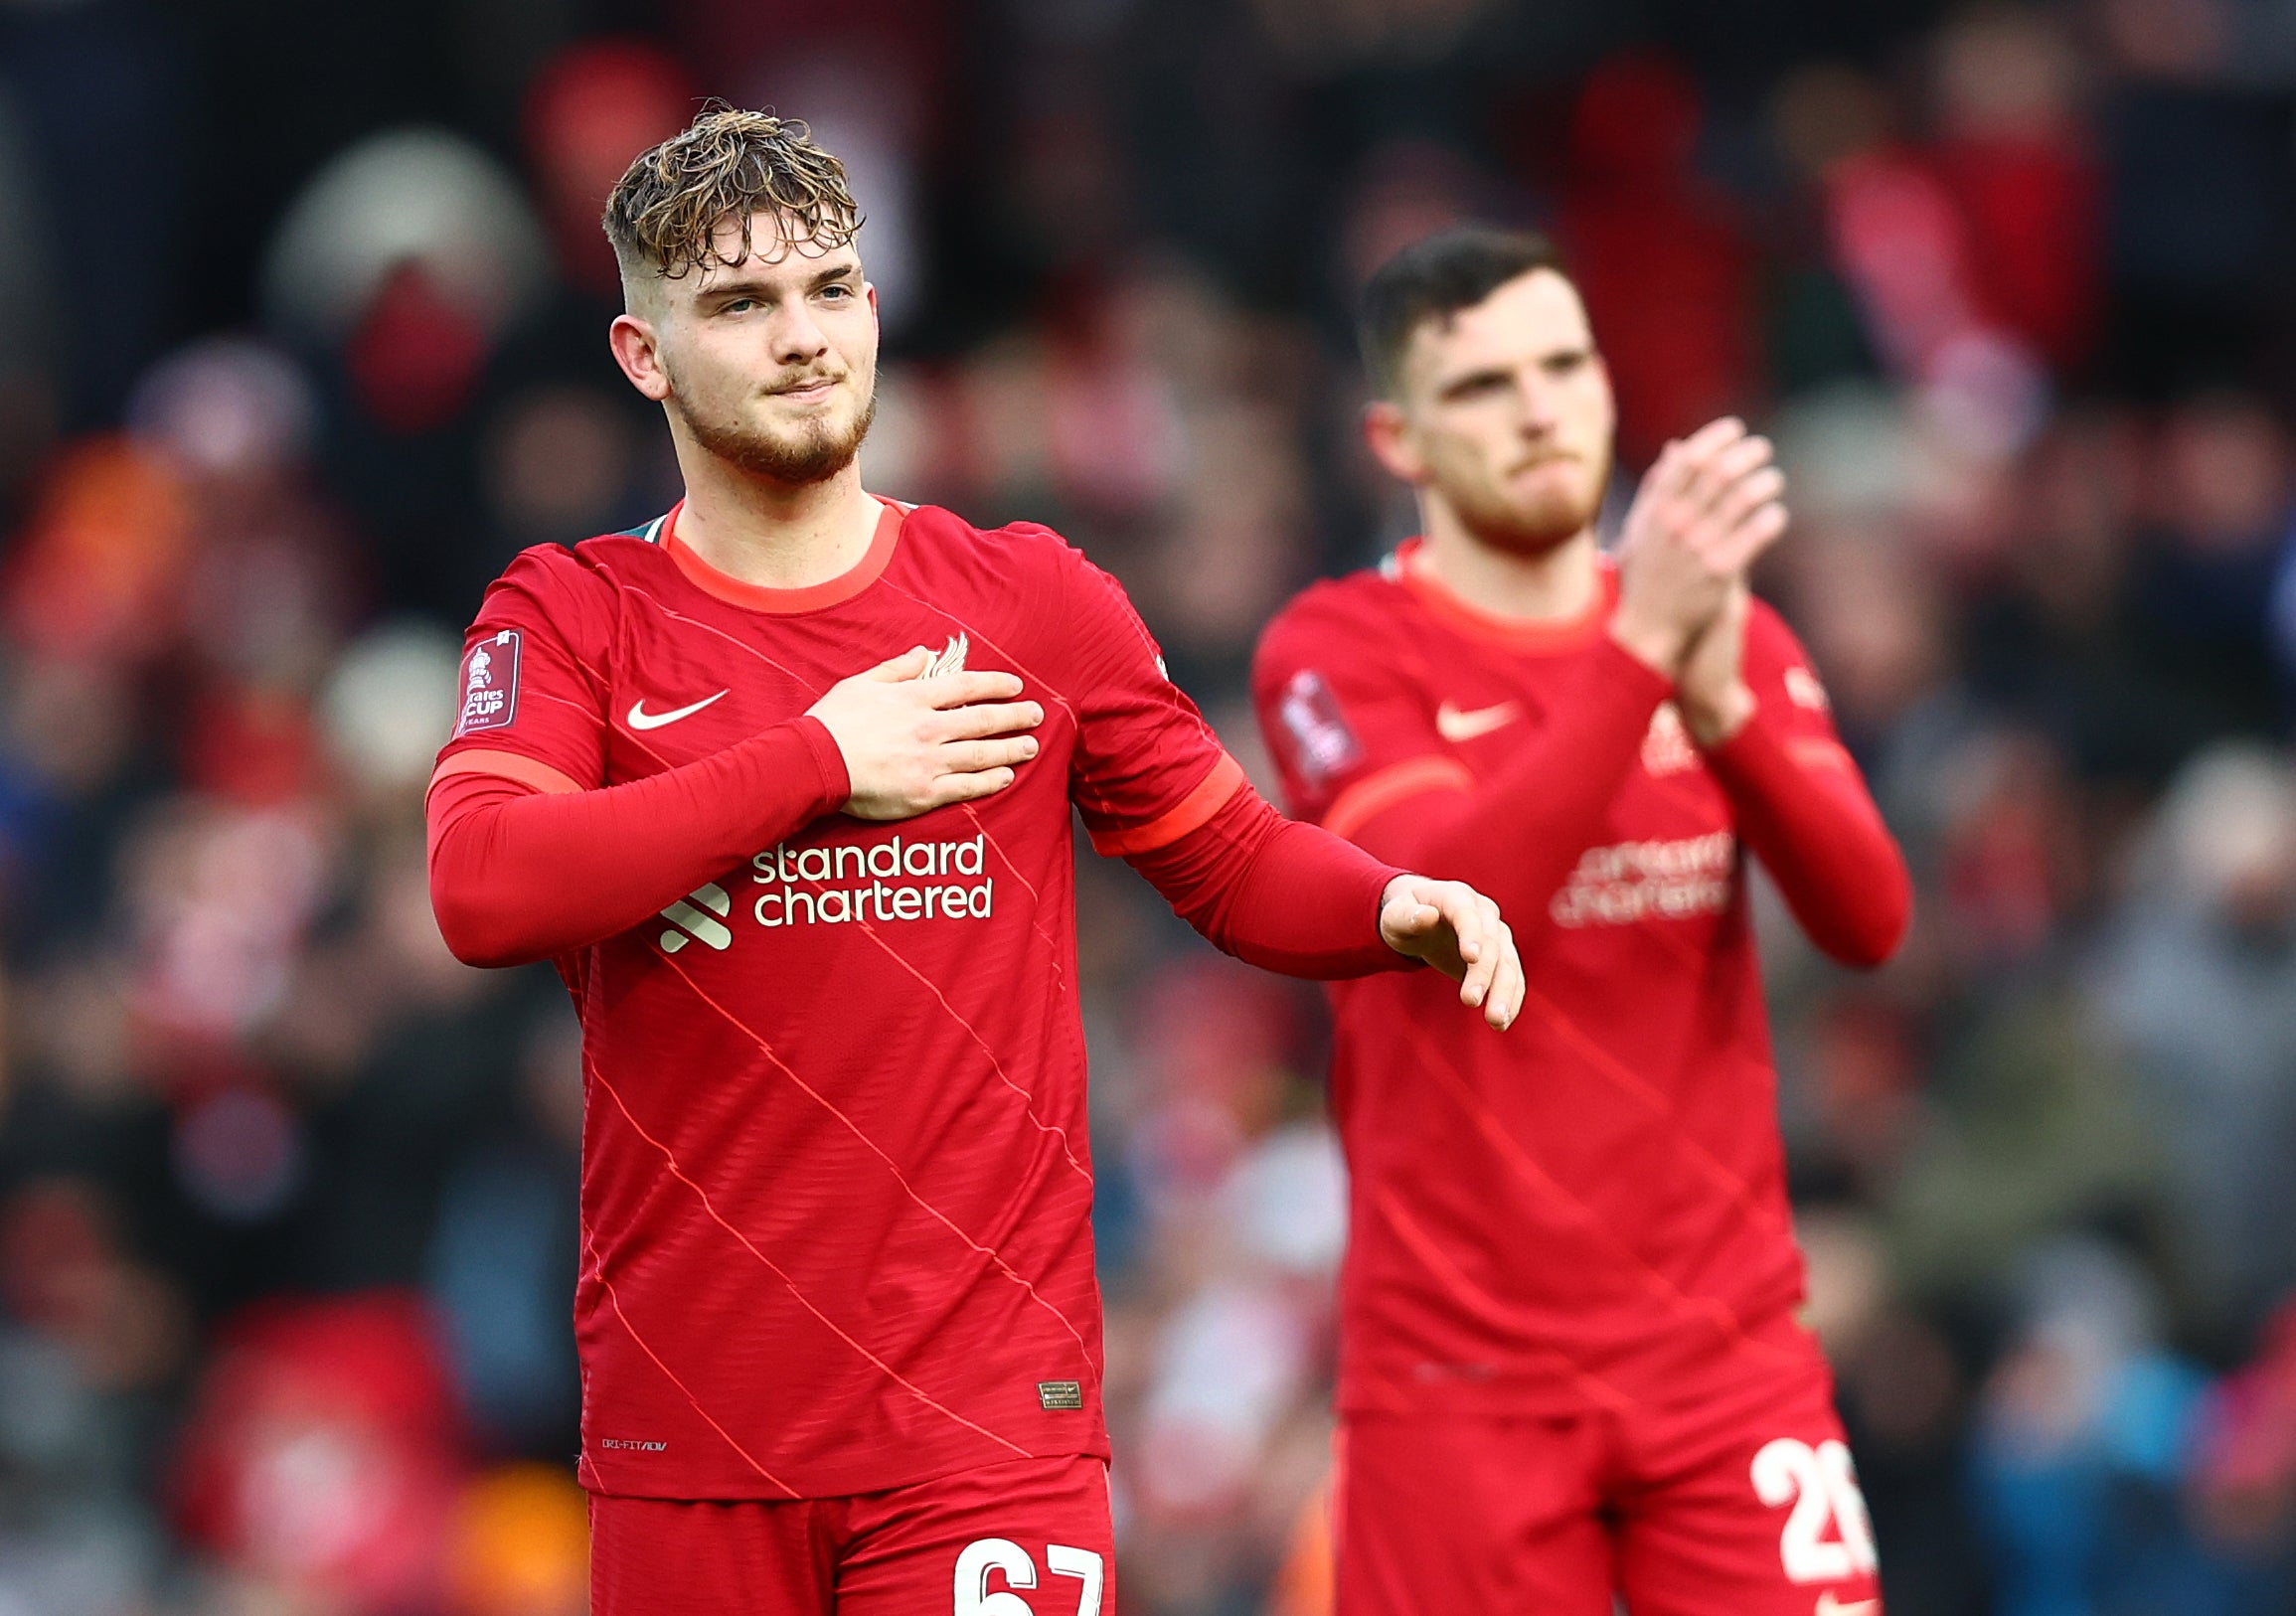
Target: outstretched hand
(1458,931)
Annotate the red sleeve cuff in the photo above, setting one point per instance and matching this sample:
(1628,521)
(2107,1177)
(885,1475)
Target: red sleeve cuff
(835,778)
(1765,749)
(1190,813)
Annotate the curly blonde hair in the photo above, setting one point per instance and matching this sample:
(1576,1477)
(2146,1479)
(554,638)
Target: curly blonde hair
(728,163)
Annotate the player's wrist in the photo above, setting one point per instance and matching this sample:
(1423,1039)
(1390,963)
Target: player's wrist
(1401,888)
(830,761)
(1715,718)
(1657,646)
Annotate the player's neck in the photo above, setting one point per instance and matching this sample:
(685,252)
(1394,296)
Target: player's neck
(781,536)
(1556,585)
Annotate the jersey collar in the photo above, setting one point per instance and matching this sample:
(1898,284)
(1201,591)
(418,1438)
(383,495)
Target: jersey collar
(757,596)
(1515,633)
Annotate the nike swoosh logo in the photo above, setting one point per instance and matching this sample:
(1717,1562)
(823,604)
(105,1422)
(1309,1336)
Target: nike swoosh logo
(640,719)
(1828,1605)
(1453,724)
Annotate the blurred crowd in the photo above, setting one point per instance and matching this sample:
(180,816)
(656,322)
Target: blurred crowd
(301,338)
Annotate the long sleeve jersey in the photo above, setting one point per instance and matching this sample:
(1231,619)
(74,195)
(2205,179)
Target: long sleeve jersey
(836,1180)
(1591,1212)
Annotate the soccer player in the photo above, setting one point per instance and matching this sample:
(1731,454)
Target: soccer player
(1570,1363)
(783,783)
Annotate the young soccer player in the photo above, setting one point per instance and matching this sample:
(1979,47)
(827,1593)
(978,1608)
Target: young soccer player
(1569,1365)
(783,783)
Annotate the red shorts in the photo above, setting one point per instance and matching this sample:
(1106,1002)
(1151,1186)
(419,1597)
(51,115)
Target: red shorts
(1027,1539)
(1741,1505)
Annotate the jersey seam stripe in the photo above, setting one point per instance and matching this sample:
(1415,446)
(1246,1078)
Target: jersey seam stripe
(802,685)
(670,1159)
(598,1272)
(569,701)
(891,1165)
(1660,929)
(1432,1257)
(1036,898)
(1139,629)
(1511,1152)
(1817,752)
(601,722)
(1624,1077)
(1045,685)
(597,678)
(675,616)
(1375,794)
(605,720)
(1680,788)
(1028,1100)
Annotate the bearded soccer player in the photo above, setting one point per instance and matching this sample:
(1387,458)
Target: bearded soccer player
(783,783)
(1570,1369)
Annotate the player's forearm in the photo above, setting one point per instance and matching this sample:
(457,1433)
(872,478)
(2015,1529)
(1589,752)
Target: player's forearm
(1517,834)
(519,874)
(1285,897)
(1804,811)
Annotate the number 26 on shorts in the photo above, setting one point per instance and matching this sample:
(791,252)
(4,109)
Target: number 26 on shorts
(1822,1486)
(987,1554)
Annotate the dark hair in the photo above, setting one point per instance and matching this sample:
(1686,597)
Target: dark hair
(728,164)
(1434,279)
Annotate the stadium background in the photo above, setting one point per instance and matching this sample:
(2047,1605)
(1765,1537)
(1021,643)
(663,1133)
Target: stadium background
(301,316)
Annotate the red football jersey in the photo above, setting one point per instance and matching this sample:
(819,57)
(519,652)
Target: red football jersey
(1590,1210)
(835,1187)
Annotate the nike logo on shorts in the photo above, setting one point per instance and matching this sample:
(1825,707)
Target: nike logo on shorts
(640,719)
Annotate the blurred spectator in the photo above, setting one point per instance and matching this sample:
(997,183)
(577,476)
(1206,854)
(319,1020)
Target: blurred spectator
(318,1466)
(2085,1435)
(2016,159)
(2200,984)
(1659,253)
(2218,501)
(89,92)
(588,111)
(2198,210)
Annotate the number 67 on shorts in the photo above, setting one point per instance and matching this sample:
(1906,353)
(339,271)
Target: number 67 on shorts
(987,1554)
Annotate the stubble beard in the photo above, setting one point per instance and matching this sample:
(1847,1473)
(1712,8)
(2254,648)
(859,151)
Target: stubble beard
(813,453)
(1530,527)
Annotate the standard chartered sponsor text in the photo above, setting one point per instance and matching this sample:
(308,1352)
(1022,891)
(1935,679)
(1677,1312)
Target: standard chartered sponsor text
(1665,879)
(896,879)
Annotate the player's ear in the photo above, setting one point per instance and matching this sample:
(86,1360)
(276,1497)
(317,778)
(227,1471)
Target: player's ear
(1387,434)
(634,348)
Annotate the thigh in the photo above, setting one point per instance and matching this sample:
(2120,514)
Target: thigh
(736,1558)
(1032,1537)
(1746,1505)
(1441,1516)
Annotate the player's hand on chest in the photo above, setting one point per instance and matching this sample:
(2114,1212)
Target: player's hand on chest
(673,698)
